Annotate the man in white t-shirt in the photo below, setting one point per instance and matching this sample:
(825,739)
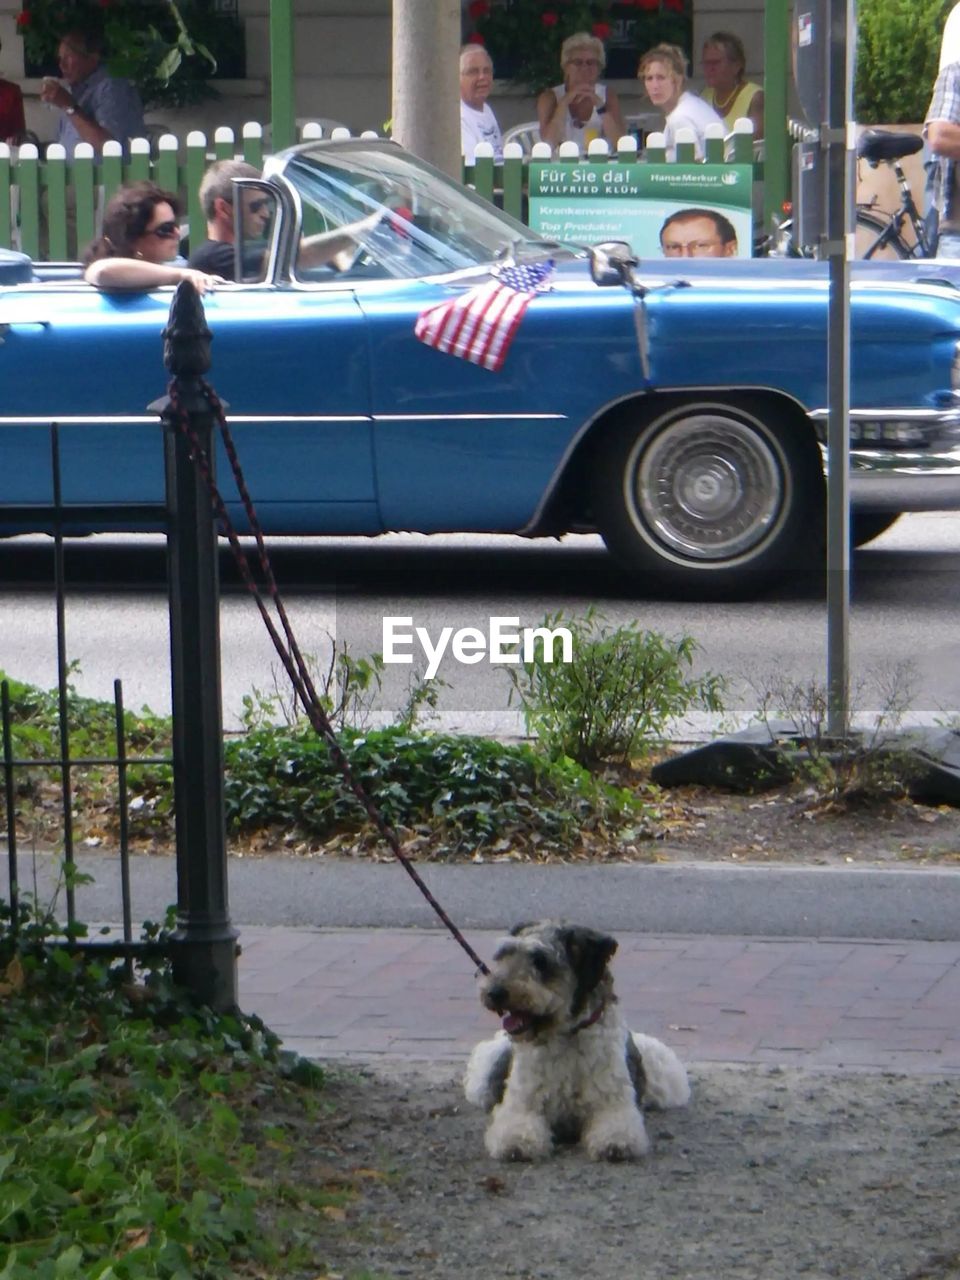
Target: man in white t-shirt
(477,121)
(950,41)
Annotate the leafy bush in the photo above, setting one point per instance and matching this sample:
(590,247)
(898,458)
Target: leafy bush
(134,1128)
(524,36)
(864,767)
(617,698)
(459,792)
(91,722)
(347,688)
(468,791)
(168,51)
(898,54)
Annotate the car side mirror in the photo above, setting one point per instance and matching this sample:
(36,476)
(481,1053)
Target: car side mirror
(611,262)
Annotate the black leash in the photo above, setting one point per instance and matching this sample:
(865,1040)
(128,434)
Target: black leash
(287,648)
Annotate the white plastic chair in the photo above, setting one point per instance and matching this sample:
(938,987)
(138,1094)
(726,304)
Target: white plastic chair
(525,134)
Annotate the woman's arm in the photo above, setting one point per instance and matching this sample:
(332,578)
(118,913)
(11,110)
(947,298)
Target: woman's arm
(755,112)
(550,114)
(613,124)
(134,273)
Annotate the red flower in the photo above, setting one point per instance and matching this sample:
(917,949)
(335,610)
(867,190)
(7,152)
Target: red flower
(601,30)
(549,19)
(478,9)
(475,38)
(648,4)
(675,5)
(23,18)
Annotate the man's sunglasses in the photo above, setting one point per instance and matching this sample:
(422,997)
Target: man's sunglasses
(166,230)
(257,206)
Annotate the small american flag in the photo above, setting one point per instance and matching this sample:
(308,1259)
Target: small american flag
(480,324)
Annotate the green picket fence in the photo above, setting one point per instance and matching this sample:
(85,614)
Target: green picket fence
(51,208)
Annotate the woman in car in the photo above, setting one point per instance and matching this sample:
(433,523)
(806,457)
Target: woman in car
(140,244)
(663,72)
(580,109)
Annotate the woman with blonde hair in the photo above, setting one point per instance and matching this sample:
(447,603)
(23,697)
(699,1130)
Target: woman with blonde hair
(728,91)
(663,72)
(580,109)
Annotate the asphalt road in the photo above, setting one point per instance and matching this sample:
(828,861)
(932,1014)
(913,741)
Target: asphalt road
(769,901)
(905,591)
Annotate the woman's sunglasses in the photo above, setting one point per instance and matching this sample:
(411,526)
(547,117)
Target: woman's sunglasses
(165,230)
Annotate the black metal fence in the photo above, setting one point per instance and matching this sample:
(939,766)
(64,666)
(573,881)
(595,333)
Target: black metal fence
(203,945)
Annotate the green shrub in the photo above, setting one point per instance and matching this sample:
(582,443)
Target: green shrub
(135,1128)
(898,54)
(866,766)
(617,698)
(468,791)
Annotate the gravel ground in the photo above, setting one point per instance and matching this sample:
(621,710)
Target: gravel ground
(770,1174)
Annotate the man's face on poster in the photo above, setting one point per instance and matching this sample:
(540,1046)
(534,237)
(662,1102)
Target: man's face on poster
(695,238)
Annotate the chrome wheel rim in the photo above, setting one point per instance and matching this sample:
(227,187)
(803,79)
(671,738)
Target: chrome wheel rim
(708,486)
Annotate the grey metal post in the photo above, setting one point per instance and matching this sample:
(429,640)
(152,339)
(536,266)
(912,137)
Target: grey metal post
(426,81)
(837,140)
(204,958)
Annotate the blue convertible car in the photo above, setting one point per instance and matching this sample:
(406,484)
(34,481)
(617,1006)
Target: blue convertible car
(678,408)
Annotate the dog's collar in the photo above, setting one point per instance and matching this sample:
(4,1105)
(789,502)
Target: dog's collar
(588,1022)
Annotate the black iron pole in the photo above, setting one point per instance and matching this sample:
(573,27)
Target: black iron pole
(205,942)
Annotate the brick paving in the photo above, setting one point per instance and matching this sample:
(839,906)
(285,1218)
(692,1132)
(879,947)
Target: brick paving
(410,994)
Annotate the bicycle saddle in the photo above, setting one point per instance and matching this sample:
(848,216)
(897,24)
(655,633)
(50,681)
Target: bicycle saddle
(880,144)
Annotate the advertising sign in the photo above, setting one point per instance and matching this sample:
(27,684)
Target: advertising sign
(663,210)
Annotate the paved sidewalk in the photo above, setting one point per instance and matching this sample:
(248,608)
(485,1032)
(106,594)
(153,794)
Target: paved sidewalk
(410,994)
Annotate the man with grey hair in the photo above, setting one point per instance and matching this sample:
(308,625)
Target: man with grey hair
(336,249)
(215,255)
(95,106)
(477,121)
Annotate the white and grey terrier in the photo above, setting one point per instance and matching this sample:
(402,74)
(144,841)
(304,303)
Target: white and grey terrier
(565,1067)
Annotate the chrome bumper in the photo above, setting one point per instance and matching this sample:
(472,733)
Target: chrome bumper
(919,473)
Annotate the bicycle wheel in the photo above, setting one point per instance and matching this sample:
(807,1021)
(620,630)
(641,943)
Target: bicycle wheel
(877,238)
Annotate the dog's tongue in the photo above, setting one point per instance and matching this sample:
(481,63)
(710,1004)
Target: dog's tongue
(512,1022)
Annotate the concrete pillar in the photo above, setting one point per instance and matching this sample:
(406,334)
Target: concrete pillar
(426,80)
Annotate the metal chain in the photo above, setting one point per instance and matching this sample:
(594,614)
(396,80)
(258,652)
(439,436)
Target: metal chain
(289,651)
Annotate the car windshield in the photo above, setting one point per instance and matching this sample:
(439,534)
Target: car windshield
(429,224)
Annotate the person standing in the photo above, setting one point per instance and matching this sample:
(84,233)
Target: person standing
(477,121)
(12,121)
(95,106)
(941,130)
(728,91)
(950,40)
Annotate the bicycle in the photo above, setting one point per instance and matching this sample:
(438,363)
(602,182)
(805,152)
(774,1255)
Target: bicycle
(879,234)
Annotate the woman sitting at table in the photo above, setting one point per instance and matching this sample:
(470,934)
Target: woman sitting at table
(580,109)
(663,71)
(140,244)
(728,91)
